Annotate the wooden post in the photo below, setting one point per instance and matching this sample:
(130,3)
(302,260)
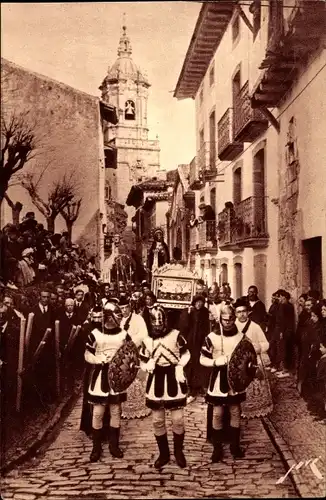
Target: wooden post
(57,355)
(29,329)
(20,363)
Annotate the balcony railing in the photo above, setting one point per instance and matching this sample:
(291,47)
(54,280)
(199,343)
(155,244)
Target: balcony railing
(195,177)
(248,123)
(294,33)
(228,149)
(206,158)
(207,234)
(243,225)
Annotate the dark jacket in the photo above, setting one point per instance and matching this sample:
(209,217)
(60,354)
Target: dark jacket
(258,314)
(194,326)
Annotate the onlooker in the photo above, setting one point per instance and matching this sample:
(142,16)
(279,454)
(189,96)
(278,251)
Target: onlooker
(310,344)
(257,310)
(26,273)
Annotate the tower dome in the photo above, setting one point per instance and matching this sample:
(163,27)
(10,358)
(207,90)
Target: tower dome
(124,67)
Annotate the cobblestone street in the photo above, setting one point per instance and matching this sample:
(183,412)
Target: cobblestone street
(64,470)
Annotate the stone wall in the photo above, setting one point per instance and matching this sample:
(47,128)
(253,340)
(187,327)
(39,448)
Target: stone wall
(67,126)
(302,177)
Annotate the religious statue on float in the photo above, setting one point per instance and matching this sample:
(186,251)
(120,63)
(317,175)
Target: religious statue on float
(160,249)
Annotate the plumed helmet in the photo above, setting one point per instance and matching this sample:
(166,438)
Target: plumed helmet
(112,315)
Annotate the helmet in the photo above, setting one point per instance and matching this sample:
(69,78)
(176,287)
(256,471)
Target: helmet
(158,320)
(112,315)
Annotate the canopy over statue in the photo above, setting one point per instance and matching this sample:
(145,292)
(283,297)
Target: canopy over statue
(174,286)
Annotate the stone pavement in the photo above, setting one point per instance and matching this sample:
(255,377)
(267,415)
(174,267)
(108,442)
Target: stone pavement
(64,470)
(304,435)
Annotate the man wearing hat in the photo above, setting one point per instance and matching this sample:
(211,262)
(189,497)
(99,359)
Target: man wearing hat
(215,353)
(101,346)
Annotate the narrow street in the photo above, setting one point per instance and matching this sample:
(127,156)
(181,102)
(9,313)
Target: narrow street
(64,470)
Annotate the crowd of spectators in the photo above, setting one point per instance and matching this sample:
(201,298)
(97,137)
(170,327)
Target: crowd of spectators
(298,343)
(31,255)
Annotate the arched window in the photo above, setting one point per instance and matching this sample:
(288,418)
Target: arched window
(130,110)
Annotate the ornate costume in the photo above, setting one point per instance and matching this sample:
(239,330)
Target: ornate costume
(163,355)
(102,344)
(218,351)
(258,401)
(135,406)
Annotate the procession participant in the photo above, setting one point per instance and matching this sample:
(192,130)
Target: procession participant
(95,321)
(44,367)
(258,401)
(101,346)
(194,326)
(216,352)
(135,325)
(164,354)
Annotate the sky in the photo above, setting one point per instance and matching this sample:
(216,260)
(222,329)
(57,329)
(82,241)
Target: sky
(75,43)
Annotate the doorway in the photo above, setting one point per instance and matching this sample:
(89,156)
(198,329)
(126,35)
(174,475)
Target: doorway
(312,264)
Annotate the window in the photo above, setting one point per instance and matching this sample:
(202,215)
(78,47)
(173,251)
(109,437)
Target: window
(255,9)
(201,96)
(212,75)
(235,29)
(236,87)
(237,186)
(201,138)
(130,110)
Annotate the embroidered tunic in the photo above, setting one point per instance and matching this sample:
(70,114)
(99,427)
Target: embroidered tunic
(100,349)
(163,390)
(219,392)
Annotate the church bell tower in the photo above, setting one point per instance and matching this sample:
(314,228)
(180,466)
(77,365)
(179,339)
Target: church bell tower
(138,157)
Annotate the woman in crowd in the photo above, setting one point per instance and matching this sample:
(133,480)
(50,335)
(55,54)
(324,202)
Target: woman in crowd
(310,342)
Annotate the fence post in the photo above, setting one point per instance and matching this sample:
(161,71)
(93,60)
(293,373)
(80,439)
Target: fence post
(20,363)
(57,356)
(29,330)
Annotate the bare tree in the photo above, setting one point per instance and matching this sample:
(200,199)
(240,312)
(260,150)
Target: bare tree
(17,145)
(16,208)
(60,195)
(70,214)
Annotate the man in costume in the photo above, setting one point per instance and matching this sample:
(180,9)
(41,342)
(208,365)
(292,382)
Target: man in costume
(101,346)
(258,397)
(135,325)
(164,355)
(216,352)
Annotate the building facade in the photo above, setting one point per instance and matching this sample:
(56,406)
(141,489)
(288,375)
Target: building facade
(182,206)
(256,77)
(137,157)
(67,124)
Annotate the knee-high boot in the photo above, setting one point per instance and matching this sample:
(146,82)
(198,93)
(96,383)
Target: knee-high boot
(114,442)
(97,446)
(235,448)
(217,440)
(178,449)
(163,446)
